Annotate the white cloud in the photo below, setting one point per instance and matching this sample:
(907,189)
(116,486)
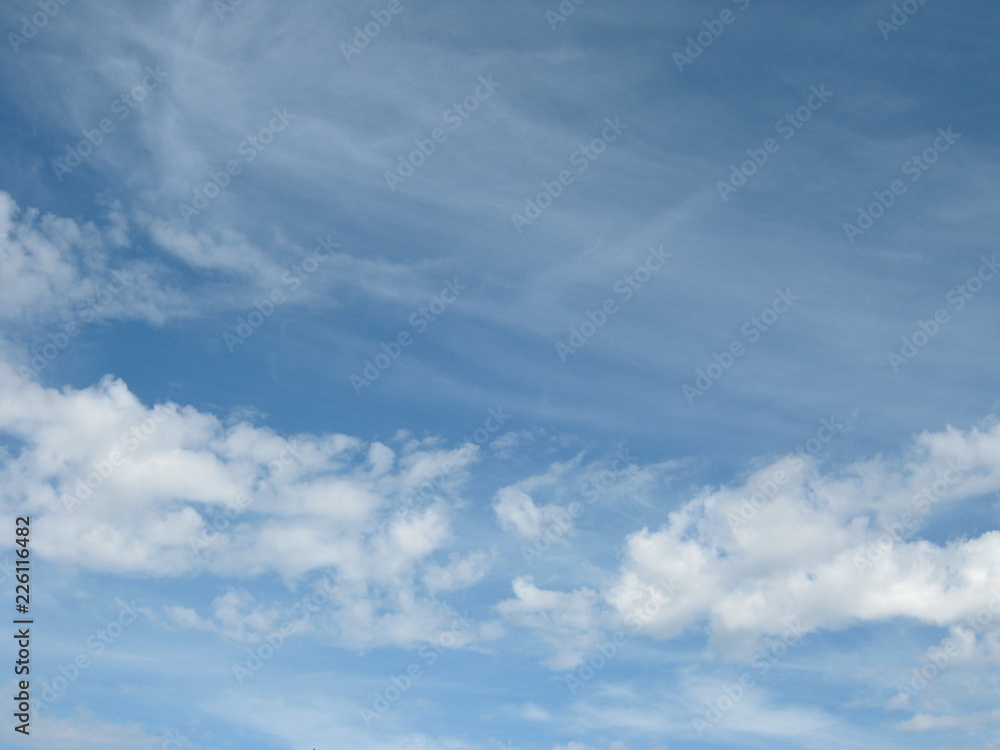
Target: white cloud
(203,251)
(65,268)
(517,513)
(811,547)
(173,491)
(236,615)
(70,273)
(460,572)
(566,621)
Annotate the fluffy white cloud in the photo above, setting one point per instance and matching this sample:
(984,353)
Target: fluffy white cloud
(829,549)
(116,486)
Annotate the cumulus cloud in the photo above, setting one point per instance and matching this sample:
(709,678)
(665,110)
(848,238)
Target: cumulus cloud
(116,486)
(830,549)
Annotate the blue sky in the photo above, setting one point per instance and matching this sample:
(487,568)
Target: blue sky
(573,376)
